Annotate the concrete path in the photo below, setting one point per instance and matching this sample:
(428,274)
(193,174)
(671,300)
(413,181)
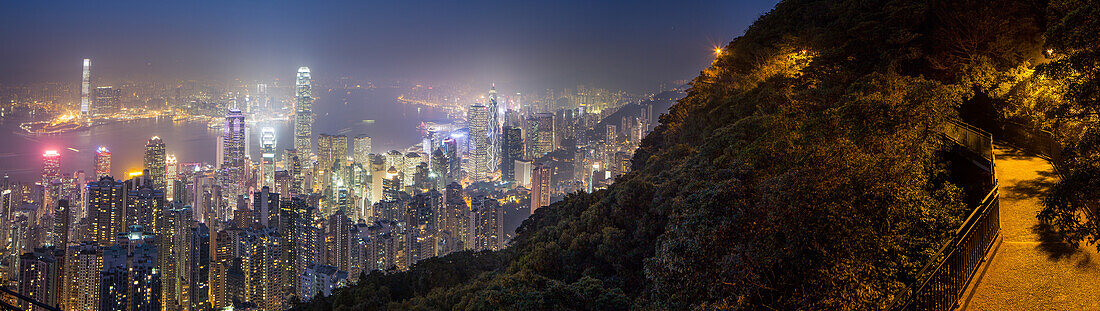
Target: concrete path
(1032,270)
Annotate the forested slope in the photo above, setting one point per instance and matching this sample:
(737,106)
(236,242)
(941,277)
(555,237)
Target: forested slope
(802,171)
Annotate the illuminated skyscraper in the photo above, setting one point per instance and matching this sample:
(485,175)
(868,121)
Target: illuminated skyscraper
(107,100)
(439,166)
(265,207)
(106,210)
(303,112)
(143,205)
(331,149)
(39,276)
(391,185)
(282,180)
(130,279)
(337,239)
(487,220)
(267,142)
(102,162)
(51,166)
(261,252)
(540,187)
(480,145)
(86,89)
(294,167)
(62,218)
(412,160)
(51,177)
(454,222)
(156,163)
(511,150)
(454,168)
(83,264)
(233,155)
(200,267)
(494,129)
(173,253)
(171,175)
(540,135)
(296,229)
(362,149)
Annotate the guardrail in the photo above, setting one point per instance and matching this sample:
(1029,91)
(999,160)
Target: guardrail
(941,282)
(8,296)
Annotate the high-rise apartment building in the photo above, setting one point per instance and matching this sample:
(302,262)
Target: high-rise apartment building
(331,149)
(454,223)
(174,257)
(106,210)
(40,276)
(540,186)
(487,222)
(83,264)
(143,205)
(130,279)
(265,207)
(294,168)
(362,149)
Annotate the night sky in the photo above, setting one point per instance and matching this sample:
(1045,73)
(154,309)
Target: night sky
(632,45)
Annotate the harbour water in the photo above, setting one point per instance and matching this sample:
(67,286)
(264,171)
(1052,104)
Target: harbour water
(373,112)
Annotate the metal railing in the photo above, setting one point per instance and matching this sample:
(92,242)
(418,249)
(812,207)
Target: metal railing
(942,281)
(976,140)
(8,297)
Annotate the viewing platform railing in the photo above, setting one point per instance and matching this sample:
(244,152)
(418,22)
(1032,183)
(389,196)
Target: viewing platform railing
(942,281)
(12,300)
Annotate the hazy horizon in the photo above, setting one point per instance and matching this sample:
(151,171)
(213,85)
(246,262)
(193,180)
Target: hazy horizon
(616,44)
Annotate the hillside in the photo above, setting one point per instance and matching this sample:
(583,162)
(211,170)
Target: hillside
(802,171)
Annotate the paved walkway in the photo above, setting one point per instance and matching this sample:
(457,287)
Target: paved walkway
(1032,270)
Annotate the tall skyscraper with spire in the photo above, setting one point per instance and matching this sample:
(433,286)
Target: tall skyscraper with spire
(233,154)
(86,89)
(303,113)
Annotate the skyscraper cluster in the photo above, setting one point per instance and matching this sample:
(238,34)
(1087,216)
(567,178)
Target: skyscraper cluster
(299,222)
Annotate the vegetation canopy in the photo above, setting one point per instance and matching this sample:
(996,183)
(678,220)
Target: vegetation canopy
(801,171)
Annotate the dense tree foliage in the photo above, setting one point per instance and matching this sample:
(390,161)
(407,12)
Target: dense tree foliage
(1074,77)
(801,171)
